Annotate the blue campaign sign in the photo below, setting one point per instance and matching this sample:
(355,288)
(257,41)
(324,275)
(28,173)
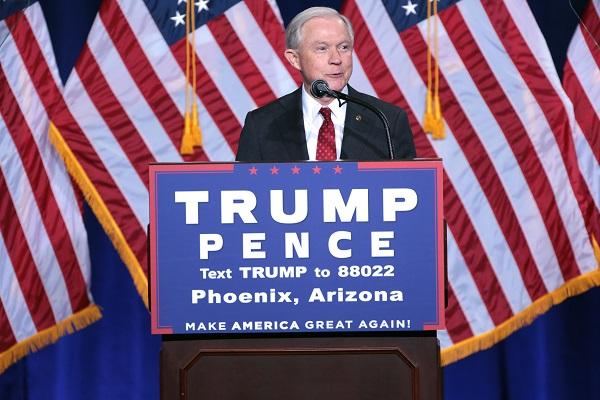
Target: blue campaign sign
(306,247)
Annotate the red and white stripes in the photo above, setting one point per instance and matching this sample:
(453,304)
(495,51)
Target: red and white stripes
(125,99)
(521,170)
(44,257)
(581,82)
(517,229)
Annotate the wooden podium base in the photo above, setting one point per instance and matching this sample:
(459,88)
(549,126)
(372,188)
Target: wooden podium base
(301,368)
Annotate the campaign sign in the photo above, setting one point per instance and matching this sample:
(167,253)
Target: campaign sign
(306,247)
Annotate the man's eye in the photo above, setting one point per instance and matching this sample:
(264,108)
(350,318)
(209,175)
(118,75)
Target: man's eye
(344,47)
(321,48)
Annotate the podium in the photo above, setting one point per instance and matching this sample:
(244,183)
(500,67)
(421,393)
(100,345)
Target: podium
(334,367)
(235,329)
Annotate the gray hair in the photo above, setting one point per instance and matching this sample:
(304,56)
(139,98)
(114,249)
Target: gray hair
(292,32)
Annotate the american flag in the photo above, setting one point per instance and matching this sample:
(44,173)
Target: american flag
(44,256)
(125,100)
(519,211)
(581,80)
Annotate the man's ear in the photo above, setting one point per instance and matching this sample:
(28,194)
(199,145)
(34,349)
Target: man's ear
(293,58)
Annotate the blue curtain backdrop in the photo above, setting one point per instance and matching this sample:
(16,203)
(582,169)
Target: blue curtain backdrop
(554,358)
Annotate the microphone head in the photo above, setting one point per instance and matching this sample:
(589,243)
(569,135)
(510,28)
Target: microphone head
(319,88)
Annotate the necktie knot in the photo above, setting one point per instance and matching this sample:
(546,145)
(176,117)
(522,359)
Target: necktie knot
(326,113)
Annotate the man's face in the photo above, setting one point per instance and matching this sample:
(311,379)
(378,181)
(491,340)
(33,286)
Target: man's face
(324,52)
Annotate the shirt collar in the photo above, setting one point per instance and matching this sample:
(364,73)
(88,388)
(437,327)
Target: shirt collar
(311,107)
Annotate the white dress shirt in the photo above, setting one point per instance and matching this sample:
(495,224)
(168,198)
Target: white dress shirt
(313,121)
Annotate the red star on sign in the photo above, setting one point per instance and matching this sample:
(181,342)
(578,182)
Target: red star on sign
(253,171)
(338,169)
(295,170)
(316,169)
(274,170)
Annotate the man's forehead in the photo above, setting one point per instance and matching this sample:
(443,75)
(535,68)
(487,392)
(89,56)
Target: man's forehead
(322,19)
(314,23)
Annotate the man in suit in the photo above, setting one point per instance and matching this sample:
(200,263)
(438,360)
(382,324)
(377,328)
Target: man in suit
(299,126)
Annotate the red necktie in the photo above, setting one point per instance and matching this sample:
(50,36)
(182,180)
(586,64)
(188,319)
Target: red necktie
(326,141)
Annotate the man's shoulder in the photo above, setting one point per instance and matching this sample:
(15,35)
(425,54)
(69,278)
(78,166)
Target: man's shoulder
(280,105)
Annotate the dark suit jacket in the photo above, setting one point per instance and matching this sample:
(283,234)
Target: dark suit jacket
(275,132)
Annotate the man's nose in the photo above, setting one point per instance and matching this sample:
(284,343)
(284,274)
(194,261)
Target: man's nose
(335,57)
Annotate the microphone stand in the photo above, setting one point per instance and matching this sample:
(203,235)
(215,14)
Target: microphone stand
(342,96)
(320,88)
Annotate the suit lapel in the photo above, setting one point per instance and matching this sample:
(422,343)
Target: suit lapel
(353,128)
(290,126)
(364,138)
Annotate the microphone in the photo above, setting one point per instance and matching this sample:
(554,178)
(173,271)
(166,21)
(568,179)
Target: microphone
(319,88)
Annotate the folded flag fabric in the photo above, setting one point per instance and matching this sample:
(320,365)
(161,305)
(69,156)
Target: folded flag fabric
(44,256)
